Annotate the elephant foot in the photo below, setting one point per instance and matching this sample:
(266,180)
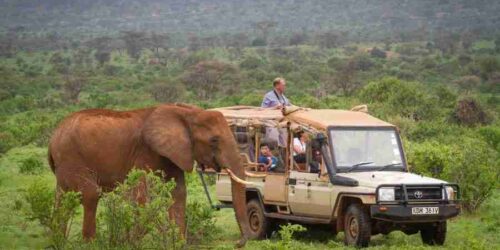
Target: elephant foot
(241,243)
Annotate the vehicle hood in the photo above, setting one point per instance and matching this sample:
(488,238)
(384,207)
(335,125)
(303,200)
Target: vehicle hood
(373,179)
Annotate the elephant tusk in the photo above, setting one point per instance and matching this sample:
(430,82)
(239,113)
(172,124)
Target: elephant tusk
(237,179)
(254,175)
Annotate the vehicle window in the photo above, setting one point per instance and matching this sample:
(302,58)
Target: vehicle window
(367,147)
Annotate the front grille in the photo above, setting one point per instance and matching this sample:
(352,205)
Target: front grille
(420,193)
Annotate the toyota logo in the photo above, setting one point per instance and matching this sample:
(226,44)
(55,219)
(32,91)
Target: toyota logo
(418,194)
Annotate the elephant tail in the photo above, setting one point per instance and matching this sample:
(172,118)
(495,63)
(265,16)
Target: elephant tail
(51,162)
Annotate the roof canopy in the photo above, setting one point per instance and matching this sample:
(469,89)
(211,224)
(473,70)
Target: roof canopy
(317,118)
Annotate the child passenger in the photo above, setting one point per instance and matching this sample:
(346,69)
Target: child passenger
(267,159)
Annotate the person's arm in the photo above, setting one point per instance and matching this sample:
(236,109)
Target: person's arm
(297,147)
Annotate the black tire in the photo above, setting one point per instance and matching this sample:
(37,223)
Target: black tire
(260,226)
(357,226)
(434,234)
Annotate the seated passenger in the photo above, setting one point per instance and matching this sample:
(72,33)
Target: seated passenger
(299,147)
(314,165)
(267,159)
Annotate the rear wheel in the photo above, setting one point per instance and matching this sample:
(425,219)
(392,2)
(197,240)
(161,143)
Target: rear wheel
(357,226)
(434,234)
(260,226)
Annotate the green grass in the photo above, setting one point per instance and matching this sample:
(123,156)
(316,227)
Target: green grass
(468,231)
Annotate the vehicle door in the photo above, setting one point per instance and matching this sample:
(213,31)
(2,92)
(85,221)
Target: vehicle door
(308,193)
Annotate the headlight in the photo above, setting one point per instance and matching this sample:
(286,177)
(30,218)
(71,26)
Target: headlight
(450,193)
(386,194)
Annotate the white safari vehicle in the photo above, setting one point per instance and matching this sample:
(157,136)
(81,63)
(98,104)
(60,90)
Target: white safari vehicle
(353,176)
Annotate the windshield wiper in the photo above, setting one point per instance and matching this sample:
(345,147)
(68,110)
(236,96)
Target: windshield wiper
(389,165)
(356,166)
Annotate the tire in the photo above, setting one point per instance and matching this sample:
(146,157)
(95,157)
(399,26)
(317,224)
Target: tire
(357,226)
(260,226)
(434,234)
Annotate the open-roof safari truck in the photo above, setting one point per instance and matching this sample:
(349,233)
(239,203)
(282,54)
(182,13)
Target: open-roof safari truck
(355,177)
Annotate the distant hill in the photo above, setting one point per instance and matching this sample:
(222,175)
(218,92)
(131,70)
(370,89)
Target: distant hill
(218,16)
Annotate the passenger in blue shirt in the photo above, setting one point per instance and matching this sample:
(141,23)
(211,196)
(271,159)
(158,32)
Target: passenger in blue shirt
(267,159)
(276,97)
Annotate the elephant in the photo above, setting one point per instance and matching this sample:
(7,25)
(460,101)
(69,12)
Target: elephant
(91,151)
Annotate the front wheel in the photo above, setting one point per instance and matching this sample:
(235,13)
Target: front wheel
(260,226)
(357,226)
(434,234)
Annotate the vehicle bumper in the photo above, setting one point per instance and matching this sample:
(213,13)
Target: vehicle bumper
(403,213)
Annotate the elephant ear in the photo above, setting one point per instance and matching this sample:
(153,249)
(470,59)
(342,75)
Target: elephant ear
(167,132)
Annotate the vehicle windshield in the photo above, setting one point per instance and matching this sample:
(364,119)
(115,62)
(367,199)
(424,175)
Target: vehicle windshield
(366,149)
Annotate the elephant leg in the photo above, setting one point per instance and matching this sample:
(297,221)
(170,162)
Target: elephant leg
(177,211)
(58,199)
(90,199)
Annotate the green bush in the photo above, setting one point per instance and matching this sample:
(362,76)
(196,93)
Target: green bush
(31,165)
(406,99)
(431,158)
(286,242)
(200,222)
(56,220)
(491,134)
(126,223)
(469,162)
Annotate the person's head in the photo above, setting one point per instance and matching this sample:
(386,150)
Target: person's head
(279,84)
(264,149)
(301,135)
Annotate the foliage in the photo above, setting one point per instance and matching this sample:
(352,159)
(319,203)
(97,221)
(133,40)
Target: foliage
(285,242)
(468,162)
(55,218)
(470,113)
(402,98)
(200,222)
(135,214)
(31,165)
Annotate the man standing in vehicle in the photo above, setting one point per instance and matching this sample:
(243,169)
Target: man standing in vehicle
(276,97)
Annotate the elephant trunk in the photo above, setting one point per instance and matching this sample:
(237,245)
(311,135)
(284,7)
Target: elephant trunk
(236,170)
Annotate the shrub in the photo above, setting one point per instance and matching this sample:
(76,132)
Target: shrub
(251,62)
(286,233)
(400,98)
(127,223)
(57,221)
(491,135)
(168,92)
(376,52)
(469,112)
(469,162)
(431,158)
(200,222)
(468,82)
(31,165)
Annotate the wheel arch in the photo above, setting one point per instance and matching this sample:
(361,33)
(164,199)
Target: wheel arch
(342,203)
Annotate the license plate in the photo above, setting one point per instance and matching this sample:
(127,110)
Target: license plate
(424,210)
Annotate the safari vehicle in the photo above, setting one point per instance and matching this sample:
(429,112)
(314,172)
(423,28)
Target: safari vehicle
(362,187)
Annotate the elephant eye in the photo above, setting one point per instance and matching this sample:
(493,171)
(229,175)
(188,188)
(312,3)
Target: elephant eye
(214,141)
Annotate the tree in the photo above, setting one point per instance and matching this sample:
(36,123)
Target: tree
(159,41)
(329,40)
(207,78)
(468,83)
(470,113)
(167,91)
(264,28)
(345,79)
(60,63)
(72,87)
(297,38)
(134,42)
(467,39)
(102,57)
